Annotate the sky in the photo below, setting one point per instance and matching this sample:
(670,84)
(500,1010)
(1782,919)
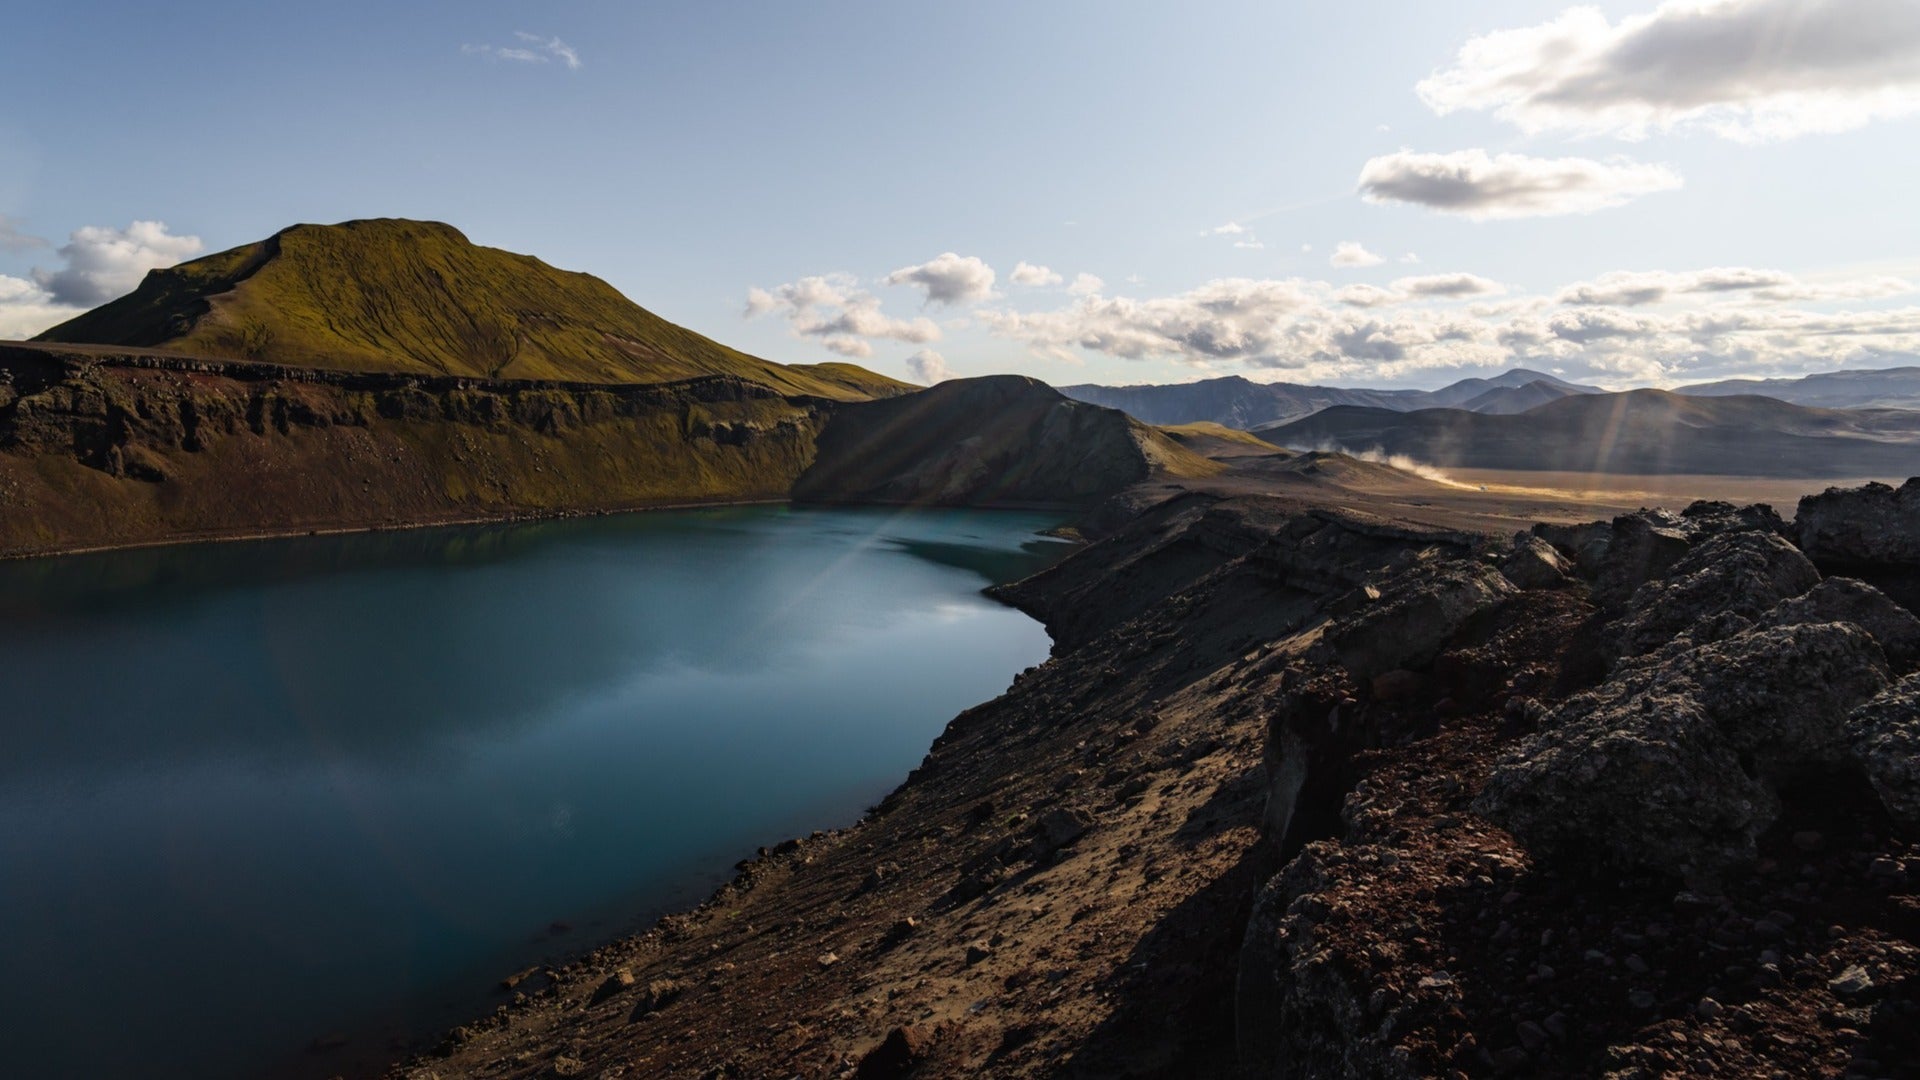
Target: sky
(1379,192)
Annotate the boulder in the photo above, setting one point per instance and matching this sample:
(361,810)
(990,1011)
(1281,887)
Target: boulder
(611,985)
(1534,564)
(896,1055)
(1870,525)
(1057,829)
(1678,765)
(1586,545)
(1642,546)
(1885,736)
(1419,612)
(1744,574)
(1845,600)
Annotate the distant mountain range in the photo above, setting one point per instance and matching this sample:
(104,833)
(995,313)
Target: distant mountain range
(1242,403)
(1636,432)
(1245,404)
(1888,388)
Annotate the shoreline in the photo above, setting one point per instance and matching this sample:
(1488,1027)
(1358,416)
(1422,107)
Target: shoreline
(349,530)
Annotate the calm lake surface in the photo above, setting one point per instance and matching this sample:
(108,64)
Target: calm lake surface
(252,794)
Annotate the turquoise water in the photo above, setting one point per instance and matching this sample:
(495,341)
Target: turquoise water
(253,794)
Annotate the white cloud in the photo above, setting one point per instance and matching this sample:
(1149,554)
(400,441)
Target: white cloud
(103,262)
(1448,286)
(1748,70)
(1086,285)
(26,309)
(835,310)
(1480,186)
(848,346)
(1351,254)
(1026,273)
(1231,228)
(1250,244)
(1409,258)
(536,50)
(1367,296)
(1640,288)
(1728,321)
(929,367)
(948,278)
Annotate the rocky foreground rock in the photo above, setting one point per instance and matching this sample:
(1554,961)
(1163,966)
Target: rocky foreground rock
(1305,795)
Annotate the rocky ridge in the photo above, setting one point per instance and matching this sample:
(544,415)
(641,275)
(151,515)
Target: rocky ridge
(1303,795)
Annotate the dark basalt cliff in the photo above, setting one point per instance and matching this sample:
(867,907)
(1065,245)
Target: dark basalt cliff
(1305,795)
(106,449)
(102,447)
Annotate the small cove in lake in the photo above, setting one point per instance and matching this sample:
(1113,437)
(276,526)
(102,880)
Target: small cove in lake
(255,793)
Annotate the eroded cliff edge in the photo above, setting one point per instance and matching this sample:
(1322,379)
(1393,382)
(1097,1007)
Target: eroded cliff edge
(1303,794)
(111,449)
(102,447)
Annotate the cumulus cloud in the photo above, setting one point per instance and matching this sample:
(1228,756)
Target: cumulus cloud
(103,262)
(1367,296)
(843,317)
(26,309)
(1729,321)
(533,49)
(1749,70)
(1026,273)
(929,367)
(1250,243)
(1449,286)
(947,278)
(1231,228)
(1351,254)
(1086,285)
(1481,186)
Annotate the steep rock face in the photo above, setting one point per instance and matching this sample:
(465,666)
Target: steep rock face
(1002,440)
(100,452)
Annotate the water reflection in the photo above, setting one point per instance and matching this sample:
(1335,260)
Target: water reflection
(292,781)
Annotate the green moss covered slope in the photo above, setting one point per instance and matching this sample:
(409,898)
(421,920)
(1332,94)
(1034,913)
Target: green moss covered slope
(393,295)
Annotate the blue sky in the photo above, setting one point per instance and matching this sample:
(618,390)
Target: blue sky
(1760,219)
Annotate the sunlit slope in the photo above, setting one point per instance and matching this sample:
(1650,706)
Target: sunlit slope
(417,296)
(998,440)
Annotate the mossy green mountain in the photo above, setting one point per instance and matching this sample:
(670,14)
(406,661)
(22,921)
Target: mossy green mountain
(417,297)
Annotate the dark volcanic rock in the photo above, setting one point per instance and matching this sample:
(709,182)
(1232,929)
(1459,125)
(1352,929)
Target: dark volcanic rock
(1302,1012)
(1849,601)
(1418,611)
(1534,564)
(1870,524)
(1741,574)
(1585,544)
(1677,765)
(1885,737)
(1641,546)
